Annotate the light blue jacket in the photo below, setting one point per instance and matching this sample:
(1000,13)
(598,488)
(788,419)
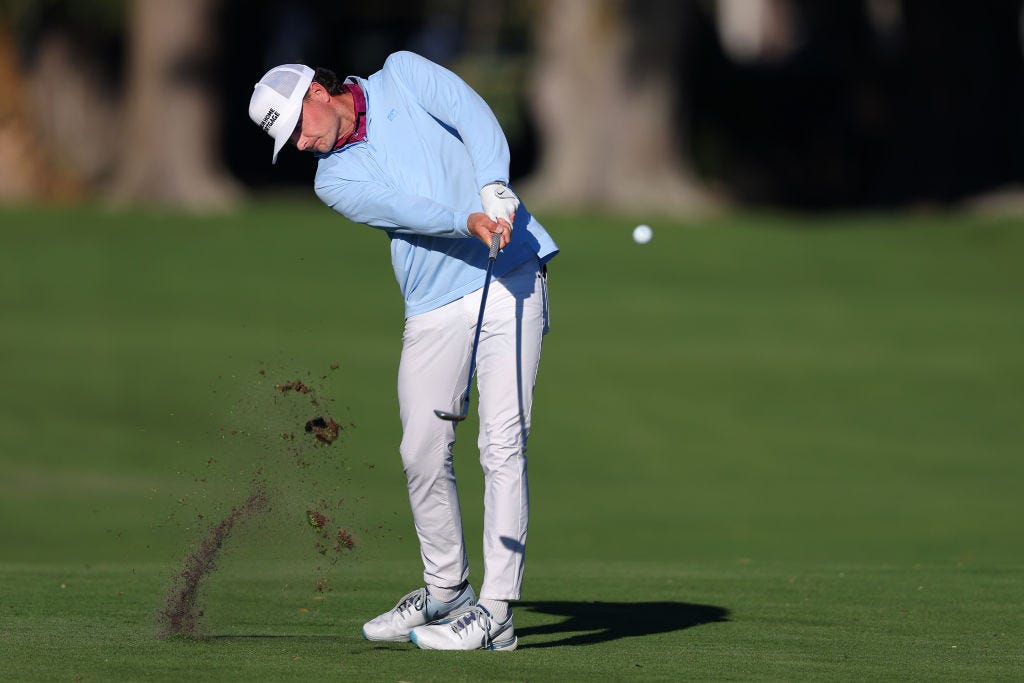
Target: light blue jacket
(431,144)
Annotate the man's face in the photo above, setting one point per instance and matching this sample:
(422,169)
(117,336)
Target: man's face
(319,123)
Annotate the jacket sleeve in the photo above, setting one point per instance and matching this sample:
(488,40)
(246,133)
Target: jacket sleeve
(372,203)
(449,99)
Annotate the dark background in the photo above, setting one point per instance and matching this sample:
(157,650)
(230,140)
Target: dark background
(931,112)
(851,118)
(856,119)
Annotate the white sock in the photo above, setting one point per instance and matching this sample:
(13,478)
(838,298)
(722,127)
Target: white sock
(445,594)
(499,609)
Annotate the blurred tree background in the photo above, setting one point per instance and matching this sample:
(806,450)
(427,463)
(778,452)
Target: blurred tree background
(668,105)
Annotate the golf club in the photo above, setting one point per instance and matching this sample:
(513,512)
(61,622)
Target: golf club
(464,411)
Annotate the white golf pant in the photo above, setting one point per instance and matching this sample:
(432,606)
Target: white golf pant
(432,374)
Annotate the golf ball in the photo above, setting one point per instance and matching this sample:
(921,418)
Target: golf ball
(642,234)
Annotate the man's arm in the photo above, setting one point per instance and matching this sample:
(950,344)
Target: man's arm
(449,99)
(376,204)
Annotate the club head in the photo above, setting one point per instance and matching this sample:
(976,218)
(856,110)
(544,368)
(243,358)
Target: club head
(451,417)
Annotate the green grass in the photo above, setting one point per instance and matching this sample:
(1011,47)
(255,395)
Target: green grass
(765,447)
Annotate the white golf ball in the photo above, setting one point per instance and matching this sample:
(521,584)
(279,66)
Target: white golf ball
(642,234)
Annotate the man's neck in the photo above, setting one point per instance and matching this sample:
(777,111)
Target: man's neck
(353,105)
(347,112)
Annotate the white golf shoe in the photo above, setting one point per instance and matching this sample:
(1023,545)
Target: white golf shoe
(470,629)
(415,609)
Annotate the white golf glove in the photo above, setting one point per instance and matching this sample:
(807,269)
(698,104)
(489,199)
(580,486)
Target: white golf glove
(499,201)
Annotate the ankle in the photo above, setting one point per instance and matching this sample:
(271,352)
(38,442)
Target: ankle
(446,594)
(498,609)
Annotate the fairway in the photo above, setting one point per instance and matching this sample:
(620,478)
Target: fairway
(764,447)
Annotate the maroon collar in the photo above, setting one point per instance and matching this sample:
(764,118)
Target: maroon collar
(359,103)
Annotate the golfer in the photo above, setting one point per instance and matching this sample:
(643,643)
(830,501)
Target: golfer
(415,152)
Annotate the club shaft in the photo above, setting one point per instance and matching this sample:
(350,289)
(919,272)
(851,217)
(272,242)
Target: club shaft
(495,242)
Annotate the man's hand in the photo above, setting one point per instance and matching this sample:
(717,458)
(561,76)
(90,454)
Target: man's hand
(483,228)
(499,203)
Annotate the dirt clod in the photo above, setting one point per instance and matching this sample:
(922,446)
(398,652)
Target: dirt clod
(295,385)
(345,540)
(325,429)
(317,519)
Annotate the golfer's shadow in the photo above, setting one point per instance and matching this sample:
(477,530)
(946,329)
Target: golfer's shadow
(589,623)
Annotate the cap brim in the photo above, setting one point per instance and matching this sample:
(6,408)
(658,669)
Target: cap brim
(287,124)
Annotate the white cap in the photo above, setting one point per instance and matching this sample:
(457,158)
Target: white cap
(277,101)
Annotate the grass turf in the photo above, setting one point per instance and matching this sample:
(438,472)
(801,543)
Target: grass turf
(764,447)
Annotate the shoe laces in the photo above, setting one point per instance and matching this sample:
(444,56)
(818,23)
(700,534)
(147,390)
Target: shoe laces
(467,620)
(414,601)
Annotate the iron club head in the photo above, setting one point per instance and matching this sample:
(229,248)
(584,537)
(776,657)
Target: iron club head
(451,417)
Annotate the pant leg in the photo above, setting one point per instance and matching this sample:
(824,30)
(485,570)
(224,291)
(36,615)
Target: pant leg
(432,375)
(507,362)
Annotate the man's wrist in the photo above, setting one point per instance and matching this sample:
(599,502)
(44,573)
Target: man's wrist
(462,223)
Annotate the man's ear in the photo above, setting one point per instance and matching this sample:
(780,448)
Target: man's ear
(318,92)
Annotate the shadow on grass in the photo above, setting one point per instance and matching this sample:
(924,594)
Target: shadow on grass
(590,623)
(585,623)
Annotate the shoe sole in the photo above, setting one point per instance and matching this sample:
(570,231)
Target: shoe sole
(398,639)
(508,645)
